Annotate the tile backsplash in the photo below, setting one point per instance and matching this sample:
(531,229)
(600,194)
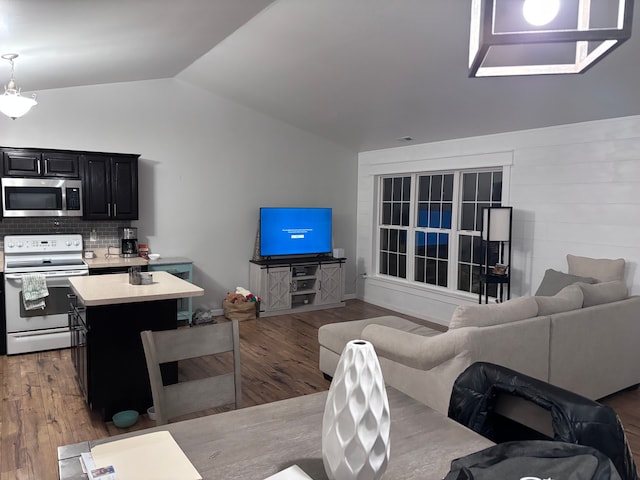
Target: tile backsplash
(107,233)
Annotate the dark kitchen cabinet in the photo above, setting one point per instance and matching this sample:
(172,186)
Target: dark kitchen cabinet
(108,356)
(110,270)
(110,186)
(3,319)
(40,163)
(78,327)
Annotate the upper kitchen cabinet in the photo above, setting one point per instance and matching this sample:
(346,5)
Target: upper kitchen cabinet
(40,163)
(110,184)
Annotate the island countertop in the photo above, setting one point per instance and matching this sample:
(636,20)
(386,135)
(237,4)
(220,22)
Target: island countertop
(115,288)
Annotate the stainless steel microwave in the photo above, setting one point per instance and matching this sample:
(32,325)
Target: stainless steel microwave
(41,197)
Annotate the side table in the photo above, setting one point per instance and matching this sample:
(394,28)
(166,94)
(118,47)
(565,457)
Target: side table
(501,280)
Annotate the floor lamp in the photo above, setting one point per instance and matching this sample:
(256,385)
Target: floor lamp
(496,232)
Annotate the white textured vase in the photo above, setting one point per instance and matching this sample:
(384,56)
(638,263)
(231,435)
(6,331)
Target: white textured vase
(356,422)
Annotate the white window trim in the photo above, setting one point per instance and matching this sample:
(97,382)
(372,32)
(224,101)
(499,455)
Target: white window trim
(461,162)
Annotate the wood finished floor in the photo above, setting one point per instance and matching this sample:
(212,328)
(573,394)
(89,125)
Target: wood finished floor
(42,406)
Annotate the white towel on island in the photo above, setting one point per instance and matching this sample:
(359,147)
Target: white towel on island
(34,290)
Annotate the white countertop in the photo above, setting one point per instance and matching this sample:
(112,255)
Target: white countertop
(114,260)
(96,290)
(100,261)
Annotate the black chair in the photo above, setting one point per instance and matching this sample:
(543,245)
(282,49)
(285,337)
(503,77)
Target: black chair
(574,419)
(543,459)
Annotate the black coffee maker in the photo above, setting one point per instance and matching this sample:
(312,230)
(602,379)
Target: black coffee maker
(129,247)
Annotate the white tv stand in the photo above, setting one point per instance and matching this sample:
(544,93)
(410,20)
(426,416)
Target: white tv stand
(297,285)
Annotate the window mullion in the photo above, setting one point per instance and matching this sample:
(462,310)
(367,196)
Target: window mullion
(455,231)
(413,215)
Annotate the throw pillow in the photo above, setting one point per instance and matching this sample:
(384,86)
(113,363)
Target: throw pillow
(602,269)
(493,314)
(605,292)
(554,281)
(567,299)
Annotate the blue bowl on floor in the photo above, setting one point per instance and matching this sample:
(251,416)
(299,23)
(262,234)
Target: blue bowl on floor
(125,418)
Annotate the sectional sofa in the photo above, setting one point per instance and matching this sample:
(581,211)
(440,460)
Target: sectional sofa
(579,332)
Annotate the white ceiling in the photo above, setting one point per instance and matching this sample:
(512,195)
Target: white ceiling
(362,73)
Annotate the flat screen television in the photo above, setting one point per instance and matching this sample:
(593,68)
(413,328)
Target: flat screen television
(295,231)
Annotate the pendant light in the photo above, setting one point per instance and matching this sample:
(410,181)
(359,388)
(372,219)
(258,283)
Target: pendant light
(544,37)
(12,103)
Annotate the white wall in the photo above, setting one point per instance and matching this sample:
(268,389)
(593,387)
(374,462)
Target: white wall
(574,188)
(207,165)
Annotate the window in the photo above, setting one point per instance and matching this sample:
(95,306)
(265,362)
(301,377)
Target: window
(429,226)
(479,190)
(435,208)
(396,203)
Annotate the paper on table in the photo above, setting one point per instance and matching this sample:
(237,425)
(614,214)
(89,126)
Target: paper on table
(87,462)
(294,472)
(153,456)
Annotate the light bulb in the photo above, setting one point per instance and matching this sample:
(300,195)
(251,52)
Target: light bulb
(540,12)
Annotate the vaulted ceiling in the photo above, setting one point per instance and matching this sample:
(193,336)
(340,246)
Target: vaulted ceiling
(362,73)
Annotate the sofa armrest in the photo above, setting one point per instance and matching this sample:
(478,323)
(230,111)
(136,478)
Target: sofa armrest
(412,350)
(594,351)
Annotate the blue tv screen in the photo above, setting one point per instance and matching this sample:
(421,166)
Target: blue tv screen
(295,231)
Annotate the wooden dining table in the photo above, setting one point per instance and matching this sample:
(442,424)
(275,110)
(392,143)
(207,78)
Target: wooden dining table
(256,442)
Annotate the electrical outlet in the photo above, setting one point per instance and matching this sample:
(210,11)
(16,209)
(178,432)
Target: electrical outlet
(93,236)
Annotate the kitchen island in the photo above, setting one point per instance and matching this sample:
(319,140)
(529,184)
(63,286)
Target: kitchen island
(106,317)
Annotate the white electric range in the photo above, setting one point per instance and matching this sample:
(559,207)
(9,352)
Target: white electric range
(57,258)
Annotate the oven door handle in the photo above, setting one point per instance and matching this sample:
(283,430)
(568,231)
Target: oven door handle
(79,273)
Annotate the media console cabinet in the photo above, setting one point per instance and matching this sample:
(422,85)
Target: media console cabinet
(297,285)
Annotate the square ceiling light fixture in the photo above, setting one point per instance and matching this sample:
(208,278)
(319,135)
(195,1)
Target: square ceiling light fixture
(542,37)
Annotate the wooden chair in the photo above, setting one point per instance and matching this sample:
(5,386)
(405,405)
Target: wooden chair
(178,399)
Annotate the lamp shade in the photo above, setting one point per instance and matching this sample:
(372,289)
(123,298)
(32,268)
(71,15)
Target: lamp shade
(496,224)
(15,105)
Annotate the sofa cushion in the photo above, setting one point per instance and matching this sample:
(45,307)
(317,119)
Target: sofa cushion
(493,314)
(335,336)
(567,299)
(605,292)
(554,281)
(602,269)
